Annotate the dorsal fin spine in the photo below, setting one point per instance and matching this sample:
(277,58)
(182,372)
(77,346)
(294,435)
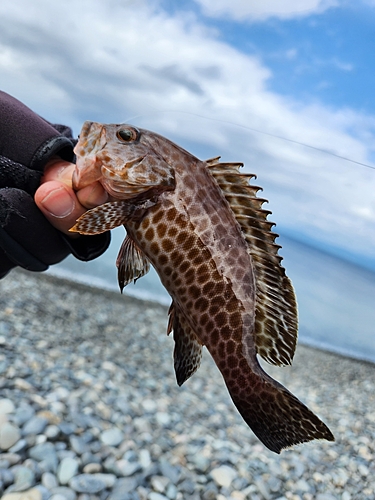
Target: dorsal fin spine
(276,310)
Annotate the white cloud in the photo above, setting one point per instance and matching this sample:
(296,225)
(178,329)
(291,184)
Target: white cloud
(129,61)
(241,10)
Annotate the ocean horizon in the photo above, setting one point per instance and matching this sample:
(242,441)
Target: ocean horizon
(335,297)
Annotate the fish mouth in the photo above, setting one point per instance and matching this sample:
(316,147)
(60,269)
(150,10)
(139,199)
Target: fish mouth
(85,173)
(92,141)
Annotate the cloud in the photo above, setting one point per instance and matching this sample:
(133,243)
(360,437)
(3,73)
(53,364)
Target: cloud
(131,61)
(256,10)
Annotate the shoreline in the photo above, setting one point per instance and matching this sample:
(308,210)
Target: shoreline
(99,361)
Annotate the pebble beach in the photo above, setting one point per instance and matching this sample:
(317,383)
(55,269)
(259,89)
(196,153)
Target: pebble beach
(90,409)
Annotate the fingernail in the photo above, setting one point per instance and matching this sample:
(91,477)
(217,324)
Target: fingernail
(58,203)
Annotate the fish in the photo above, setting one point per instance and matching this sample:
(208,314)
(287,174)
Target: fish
(203,228)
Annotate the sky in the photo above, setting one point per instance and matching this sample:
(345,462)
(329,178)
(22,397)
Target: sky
(285,87)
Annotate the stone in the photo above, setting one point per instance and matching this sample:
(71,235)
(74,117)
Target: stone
(223,475)
(23,414)
(52,432)
(67,428)
(31,494)
(44,492)
(157,496)
(35,425)
(92,468)
(169,471)
(49,480)
(124,485)
(9,435)
(6,476)
(144,458)
(24,478)
(159,483)
(6,406)
(108,479)
(45,454)
(78,445)
(63,492)
(19,447)
(12,458)
(67,469)
(128,468)
(112,437)
(86,483)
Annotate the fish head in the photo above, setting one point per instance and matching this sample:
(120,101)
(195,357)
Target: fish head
(121,158)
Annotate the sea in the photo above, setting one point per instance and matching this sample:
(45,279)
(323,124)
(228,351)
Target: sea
(336,298)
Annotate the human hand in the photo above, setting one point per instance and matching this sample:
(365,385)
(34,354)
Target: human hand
(57,200)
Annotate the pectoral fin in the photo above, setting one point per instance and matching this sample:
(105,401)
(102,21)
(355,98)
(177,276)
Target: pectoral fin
(102,218)
(187,350)
(131,263)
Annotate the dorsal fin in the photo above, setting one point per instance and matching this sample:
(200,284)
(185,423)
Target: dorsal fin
(276,321)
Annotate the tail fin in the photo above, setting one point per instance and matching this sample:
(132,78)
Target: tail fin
(274,414)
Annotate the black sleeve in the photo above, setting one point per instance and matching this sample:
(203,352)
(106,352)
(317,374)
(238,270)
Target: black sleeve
(27,239)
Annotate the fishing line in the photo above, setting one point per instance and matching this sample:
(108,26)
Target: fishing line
(269,134)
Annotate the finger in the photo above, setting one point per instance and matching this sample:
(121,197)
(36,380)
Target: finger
(62,171)
(59,204)
(93,195)
(59,170)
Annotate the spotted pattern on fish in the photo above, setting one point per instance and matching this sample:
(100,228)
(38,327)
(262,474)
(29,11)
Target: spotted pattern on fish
(205,232)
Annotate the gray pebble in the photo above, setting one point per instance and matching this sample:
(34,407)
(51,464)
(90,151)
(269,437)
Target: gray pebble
(159,483)
(67,428)
(86,483)
(24,478)
(49,480)
(325,496)
(125,485)
(35,425)
(9,435)
(66,493)
(6,406)
(157,496)
(52,432)
(223,475)
(23,414)
(171,492)
(112,437)
(11,458)
(46,495)
(89,458)
(19,447)
(170,471)
(78,445)
(128,468)
(67,469)
(108,479)
(92,468)
(7,477)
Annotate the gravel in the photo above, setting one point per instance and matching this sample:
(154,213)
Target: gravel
(90,410)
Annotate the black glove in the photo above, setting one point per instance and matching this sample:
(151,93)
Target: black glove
(27,239)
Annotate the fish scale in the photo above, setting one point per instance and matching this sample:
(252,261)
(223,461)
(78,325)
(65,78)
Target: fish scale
(203,228)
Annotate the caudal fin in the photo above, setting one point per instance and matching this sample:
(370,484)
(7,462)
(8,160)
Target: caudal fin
(275,415)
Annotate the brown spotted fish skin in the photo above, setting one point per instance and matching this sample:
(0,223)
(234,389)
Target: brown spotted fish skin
(202,227)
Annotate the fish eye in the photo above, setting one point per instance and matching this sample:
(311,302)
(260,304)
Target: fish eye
(127,135)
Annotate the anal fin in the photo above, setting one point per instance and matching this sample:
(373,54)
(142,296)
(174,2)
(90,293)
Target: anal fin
(187,350)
